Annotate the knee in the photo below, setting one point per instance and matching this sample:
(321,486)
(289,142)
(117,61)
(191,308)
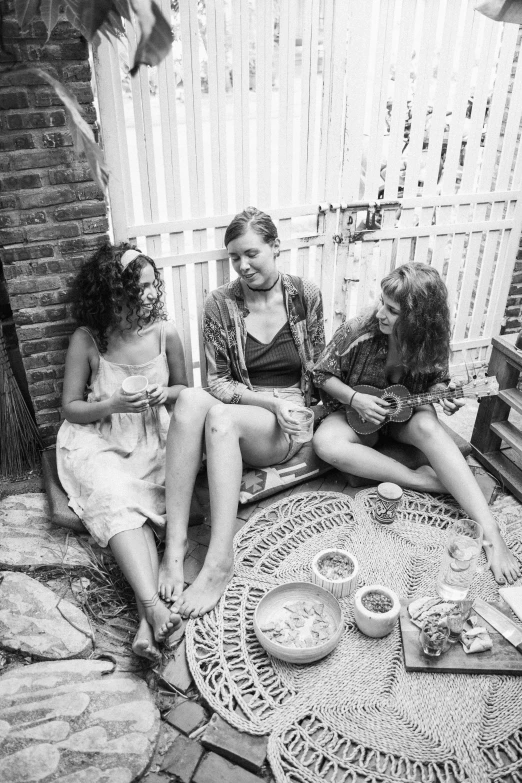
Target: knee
(219,421)
(424,427)
(191,405)
(325,447)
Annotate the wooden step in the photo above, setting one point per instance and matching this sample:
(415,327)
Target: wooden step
(509,434)
(503,468)
(513,397)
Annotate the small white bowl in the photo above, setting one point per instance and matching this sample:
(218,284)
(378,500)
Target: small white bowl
(375,624)
(338,587)
(272,605)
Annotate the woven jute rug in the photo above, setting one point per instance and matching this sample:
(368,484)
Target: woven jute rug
(357,715)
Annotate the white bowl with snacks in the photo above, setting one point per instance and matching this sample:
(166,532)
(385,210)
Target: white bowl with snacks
(298,622)
(376,609)
(336,570)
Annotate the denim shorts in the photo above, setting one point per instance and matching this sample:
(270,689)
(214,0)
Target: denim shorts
(292,394)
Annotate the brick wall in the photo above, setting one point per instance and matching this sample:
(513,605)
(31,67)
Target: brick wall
(51,212)
(513,314)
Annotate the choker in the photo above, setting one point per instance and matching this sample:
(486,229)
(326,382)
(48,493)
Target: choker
(264,290)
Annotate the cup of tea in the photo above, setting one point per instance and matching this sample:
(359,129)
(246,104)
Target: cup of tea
(135,384)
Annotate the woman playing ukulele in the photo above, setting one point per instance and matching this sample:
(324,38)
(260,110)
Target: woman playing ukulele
(405,340)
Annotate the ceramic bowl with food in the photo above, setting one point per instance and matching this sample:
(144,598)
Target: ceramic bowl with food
(298,622)
(376,609)
(336,570)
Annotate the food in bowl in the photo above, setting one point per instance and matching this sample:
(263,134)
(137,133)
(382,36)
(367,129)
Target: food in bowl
(337,570)
(301,624)
(335,566)
(291,618)
(377,602)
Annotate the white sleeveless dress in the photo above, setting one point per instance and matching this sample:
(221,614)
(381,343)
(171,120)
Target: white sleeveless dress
(113,469)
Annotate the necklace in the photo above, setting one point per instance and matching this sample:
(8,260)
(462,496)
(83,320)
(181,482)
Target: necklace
(264,290)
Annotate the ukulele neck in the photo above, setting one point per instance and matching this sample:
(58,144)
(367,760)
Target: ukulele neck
(427,397)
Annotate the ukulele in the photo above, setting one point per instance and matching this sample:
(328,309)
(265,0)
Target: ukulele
(402,403)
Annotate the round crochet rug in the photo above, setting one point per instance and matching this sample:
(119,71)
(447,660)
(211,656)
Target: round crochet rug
(357,715)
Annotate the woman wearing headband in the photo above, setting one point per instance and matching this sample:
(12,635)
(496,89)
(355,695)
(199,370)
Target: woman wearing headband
(111,447)
(263,332)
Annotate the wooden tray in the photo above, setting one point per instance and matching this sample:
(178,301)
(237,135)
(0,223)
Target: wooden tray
(503,658)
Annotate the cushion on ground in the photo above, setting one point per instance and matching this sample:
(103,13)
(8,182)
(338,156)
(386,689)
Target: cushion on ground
(61,514)
(259,483)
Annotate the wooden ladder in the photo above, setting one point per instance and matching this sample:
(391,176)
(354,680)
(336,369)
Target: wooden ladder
(496,442)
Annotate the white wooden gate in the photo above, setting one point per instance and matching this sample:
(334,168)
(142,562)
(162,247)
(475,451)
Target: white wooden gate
(373,131)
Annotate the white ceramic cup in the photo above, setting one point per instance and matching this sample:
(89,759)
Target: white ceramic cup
(305,418)
(135,384)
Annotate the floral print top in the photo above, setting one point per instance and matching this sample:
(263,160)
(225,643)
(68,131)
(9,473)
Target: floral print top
(357,355)
(225,335)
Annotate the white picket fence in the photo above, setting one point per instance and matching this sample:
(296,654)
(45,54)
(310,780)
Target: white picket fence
(324,113)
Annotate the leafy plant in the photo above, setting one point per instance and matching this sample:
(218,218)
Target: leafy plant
(93,18)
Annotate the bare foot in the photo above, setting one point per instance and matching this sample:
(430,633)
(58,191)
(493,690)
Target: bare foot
(144,644)
(207,589)
(503,563)
(170,580)
(429,481)
(161,619)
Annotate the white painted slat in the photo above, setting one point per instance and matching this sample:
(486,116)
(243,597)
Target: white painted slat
(498,102)
(420,100)
(182,315)
(286,100)
(440,104)
(192,93)
(336,110)
(240,34)
(460,103)
(325,102)
(201,281)
(485,278)
(169,127)
(379,99)
(114,136)
(284,230)
(264,55)
(399,100)
(308,99)
(481,93)
(357,67)
(217,99)
(511,132)
(422,246)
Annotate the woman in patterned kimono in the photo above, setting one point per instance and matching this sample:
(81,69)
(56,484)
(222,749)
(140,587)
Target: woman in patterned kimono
(405,340)
(263,333)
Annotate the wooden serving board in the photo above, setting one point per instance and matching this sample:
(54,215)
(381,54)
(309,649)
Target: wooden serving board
(503,658)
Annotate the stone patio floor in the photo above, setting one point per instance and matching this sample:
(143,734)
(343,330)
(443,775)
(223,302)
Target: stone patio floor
(194,746)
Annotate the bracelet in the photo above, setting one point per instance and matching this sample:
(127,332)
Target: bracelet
(351,398)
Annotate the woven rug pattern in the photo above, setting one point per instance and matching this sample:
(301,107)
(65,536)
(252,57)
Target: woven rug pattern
(357,715)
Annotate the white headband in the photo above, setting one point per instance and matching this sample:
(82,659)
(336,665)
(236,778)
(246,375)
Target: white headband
(129,256)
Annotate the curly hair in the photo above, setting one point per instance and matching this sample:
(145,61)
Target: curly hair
(253,218)
(102,290)
(423,328)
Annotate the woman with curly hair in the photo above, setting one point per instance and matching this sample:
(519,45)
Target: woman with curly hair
(404,340)
(111,447)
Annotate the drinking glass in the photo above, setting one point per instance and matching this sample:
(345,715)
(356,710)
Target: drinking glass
(434,638)
(459,561)
(456,619)
(305,418)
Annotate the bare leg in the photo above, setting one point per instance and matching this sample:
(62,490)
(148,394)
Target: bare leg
(132,553)
(144,642)
(424,431)
(233,433)
(336,443)
(184,452)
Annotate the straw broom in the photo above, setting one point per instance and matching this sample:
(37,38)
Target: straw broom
(20,443)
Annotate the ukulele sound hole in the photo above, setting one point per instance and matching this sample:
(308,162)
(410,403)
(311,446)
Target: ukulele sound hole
(393,403)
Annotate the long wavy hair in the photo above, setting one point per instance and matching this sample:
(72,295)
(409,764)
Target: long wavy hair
(423,328)
(103,289)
